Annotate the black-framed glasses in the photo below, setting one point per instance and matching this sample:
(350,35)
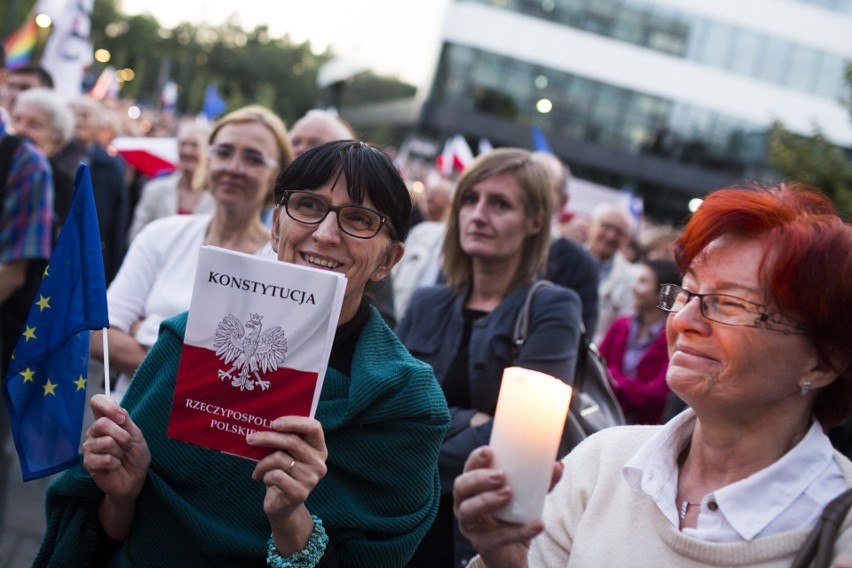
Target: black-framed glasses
(729,310)
(249,159)
(309,208)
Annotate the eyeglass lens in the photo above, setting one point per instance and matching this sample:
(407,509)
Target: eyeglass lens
(248,158)
(353,220)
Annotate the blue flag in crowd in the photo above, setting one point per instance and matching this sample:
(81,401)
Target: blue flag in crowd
(540,143)
(214,105)
(45,386)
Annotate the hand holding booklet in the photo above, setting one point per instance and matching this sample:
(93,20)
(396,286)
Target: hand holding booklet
(257,344)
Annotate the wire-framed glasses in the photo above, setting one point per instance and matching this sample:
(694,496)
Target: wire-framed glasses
(249,159)
(354,220)
(729,310)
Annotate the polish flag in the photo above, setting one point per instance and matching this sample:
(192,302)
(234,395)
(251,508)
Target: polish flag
(257,343)
(456,156)
(151,156)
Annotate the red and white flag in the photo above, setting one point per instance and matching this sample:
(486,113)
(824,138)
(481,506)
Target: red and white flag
(455,156)
(151,156)
(257,344)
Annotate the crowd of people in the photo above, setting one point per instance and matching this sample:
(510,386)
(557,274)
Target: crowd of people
(725,458)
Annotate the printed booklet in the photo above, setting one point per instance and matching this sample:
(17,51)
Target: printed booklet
(257,344)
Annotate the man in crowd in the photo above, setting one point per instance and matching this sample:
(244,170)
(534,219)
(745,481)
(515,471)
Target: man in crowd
(609,232)
(568,263)
(318,127)
(112,196)
(421,264)
(22,79)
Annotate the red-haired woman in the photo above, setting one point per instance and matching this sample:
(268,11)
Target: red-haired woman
(760,345)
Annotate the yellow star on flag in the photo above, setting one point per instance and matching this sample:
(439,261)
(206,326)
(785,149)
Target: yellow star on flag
(29,333)
(28,375)
(45,271)
(49,388)
(81,383)
(42,303)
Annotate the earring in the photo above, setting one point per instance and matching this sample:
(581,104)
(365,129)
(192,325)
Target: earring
(806,388)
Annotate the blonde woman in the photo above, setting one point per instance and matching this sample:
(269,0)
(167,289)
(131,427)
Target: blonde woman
(183,191)
(496,243)
(247,149)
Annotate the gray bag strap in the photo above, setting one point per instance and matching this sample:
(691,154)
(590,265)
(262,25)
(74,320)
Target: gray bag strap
(522,323)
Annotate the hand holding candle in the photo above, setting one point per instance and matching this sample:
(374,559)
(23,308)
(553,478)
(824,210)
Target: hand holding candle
(528,423)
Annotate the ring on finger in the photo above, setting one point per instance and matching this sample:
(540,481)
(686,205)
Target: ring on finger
(290,467)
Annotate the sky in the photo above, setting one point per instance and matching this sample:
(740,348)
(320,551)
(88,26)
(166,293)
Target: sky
(392,37)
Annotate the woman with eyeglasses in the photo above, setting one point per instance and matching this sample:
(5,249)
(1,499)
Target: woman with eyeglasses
(247,148)
(760,345)
(496,245)
(356,486)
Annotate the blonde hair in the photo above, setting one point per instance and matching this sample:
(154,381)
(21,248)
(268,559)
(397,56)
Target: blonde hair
(264,116)
(273,123)
(201,131)
(536,197)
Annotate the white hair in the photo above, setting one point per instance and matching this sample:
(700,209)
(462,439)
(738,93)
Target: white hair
(54,106)
(606,207)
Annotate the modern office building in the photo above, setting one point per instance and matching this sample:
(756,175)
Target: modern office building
(671,98)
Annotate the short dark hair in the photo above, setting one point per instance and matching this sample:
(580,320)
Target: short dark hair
(44,77)
(665,271)
(367,170)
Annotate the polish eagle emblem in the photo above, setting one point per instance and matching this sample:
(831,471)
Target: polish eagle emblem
(249,354)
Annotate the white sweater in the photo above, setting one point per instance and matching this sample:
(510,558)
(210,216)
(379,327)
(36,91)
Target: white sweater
(155,280)
(593,518)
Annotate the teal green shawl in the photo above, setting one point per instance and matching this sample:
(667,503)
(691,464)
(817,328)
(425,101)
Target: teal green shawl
(383,427)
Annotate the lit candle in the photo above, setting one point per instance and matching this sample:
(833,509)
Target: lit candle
(525,438)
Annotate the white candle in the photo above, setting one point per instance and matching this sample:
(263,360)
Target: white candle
(528,425)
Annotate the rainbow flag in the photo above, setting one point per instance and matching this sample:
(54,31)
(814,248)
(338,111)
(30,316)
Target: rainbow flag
(20,45)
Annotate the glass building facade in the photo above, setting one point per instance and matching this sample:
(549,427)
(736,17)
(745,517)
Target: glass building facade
(596,112)
(662,141)
(706,41)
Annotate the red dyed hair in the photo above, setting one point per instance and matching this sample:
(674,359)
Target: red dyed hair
(810,277)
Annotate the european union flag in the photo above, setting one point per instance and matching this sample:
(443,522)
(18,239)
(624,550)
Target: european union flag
(540,143)
(45,386)
(214,104)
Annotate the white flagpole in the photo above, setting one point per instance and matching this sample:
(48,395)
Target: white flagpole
(106,361)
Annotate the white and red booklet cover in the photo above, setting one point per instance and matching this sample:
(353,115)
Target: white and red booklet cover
(257,344)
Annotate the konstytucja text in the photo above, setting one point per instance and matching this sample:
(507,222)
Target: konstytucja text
(246,285)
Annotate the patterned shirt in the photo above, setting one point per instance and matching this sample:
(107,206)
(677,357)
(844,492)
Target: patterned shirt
(26,216)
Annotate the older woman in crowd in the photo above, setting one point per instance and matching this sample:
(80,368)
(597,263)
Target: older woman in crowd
(182,192)
(357,486)
(247,147)
(497,238)
(44,117)
(760,344)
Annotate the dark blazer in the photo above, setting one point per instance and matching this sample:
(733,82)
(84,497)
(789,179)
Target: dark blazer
(112,200)
(572,266)
(112,197)
(432,330)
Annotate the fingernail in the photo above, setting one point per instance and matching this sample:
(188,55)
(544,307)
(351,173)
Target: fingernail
(495,478)
(250,438)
